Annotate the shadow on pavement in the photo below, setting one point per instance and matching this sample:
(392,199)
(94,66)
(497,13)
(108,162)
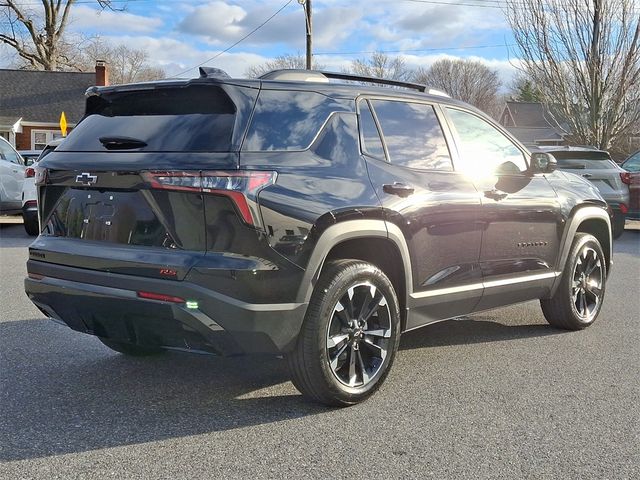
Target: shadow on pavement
(62,392)
(12,236)
(465,331)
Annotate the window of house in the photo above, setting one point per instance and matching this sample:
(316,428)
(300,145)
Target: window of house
(40,138)
(413,135)
(483,148)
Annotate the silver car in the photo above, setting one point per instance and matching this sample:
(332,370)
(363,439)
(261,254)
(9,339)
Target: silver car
(598,167)
(11,178)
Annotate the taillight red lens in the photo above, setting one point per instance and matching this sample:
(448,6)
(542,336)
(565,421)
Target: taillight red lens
(29,172)
(623,209)
(161,297)
(241,186)
(625,177)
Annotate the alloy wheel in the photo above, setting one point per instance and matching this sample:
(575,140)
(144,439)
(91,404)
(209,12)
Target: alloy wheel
(586,288)
(358,335)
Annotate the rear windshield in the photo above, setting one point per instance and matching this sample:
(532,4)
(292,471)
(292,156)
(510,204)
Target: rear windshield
(198,118)
(583,160)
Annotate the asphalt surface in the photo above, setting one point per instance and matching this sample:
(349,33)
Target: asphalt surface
(496,395)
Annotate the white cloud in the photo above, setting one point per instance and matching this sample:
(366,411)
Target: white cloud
(87,19)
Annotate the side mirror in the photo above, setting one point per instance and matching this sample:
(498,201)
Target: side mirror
(542,162)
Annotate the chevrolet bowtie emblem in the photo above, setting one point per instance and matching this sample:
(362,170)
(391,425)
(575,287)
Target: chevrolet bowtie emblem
(86,178)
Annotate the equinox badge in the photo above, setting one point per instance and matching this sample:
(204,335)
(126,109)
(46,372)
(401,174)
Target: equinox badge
(86,178)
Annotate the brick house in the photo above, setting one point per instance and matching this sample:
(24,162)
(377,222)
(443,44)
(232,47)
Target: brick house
(31,102)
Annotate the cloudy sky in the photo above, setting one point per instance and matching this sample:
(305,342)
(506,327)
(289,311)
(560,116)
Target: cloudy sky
(179,34)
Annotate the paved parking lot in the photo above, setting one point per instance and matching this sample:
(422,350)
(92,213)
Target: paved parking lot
(500,394)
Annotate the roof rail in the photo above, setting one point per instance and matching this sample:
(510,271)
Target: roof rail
(323,76)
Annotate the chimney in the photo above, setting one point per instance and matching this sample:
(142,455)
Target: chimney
(102,74)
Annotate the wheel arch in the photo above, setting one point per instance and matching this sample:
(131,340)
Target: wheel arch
(592,219)
(373,241)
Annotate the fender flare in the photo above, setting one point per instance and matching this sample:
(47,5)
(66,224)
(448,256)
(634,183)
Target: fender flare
(591,212)
(349,230)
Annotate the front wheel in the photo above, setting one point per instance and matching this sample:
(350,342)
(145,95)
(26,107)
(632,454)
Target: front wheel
(349,337)
(578,298)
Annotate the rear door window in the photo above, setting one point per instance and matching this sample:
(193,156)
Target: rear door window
(372,144)
(198,118)
(413,135)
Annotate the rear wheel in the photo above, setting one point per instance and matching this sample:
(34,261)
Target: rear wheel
(349,337)
(131,349)
(579,296)
(31,224)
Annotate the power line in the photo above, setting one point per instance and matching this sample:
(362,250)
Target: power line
(418,49)
(239,41)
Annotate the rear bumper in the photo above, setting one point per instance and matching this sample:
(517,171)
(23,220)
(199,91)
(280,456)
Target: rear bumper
(107,305)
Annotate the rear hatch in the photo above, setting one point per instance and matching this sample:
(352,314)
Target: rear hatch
(598,168)
(124,192)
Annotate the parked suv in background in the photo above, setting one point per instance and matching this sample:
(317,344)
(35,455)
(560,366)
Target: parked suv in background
(597,167)
(295,215)
(632,178)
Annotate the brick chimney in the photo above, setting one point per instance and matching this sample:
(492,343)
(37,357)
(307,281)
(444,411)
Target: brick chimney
(102,73)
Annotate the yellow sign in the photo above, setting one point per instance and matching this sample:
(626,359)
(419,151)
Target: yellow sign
(63,124)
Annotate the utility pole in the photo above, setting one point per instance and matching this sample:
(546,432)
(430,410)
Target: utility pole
(306,5)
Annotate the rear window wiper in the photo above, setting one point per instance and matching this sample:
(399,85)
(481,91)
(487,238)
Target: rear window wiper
(121,143)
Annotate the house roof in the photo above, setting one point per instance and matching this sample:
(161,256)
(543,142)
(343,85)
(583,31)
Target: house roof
(530,136)
(40,96)
(528,114)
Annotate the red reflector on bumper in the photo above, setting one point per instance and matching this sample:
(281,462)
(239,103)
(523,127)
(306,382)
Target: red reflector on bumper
(35,276)
(161,297)
(623,208)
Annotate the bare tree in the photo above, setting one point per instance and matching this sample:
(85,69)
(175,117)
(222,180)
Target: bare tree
(381,65)
(280,62)
(37,34)
(126,65)
(468,80)
(584,55)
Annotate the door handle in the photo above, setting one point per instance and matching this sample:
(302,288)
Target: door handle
(587,175)
(495,194)
(399,189)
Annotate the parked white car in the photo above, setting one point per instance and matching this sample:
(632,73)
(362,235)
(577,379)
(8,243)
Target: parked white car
(29,193)
(11,178)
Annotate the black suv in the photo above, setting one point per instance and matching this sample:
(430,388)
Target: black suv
(300,216)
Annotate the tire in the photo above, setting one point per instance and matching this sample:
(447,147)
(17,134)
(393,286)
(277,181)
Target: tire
(618,225)
(578,298)
(131,349)
(335,361)
(31,224)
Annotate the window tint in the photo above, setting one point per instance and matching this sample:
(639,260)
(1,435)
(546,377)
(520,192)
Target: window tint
(286,120)
(370,135)
(338,141)
(413,135)
(483,148)
(197,118)
(9,154)
(583,160)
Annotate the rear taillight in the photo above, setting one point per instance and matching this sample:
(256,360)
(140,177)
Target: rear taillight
(29,172)
(31,203)
(240,186)
(625,177)
(623,209)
